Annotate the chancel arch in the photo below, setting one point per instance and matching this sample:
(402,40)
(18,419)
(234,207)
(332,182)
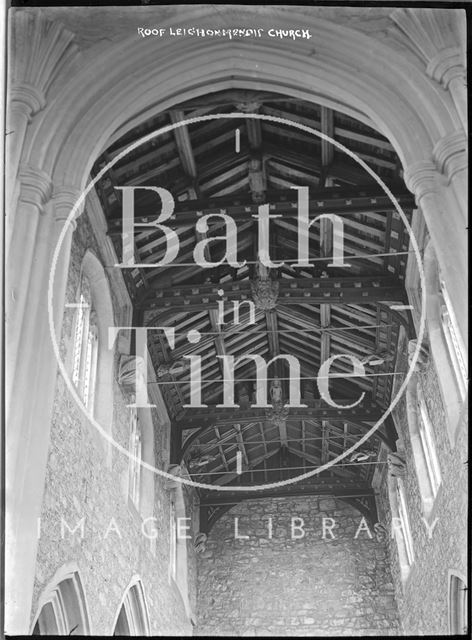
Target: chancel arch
(74,121)
(373,95)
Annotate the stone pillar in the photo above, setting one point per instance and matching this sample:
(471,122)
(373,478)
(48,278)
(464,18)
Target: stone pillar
(40,51)
(447,232)
(24,101)
(27,438)
(29,422)
(441,186)
(21,261)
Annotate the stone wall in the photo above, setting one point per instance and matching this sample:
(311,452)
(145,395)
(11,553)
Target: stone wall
(281,586)
(423,596)
(82,486)
(294,587)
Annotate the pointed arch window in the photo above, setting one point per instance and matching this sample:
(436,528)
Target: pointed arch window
(133,618)
(173,541)
(457,606)
(454,342)
(423,444)
(404,529)
(447,343)
(179,535)
(135,450)
(85,354)
(425,428)
(401,525)
(63,612)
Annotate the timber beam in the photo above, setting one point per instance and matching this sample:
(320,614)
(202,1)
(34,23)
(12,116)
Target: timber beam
(382,434)
(317,487)
(242,207)
(331,290)
(316,410)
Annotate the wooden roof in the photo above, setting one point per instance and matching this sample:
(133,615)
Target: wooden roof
(321,311)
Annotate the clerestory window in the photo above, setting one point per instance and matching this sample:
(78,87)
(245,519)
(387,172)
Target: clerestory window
(454,342)
(84,368)
(135,450)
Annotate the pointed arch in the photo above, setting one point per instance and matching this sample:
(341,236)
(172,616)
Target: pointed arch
(132,617)
(62,606)
(179,533)
(92,269)
(457,603)
(187,71)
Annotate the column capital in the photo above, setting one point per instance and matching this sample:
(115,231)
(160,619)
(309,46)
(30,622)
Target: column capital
(450,153)
(421,179)
(429,30)
(27,99)
(445,66)
(64,198)
(36,186)
(41,50)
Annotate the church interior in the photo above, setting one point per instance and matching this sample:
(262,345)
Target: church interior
(224,418)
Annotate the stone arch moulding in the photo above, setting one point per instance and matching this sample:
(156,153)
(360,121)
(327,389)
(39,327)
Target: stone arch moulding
(68,571)
(141,75)
(135,584)
(337,73)
(413,111)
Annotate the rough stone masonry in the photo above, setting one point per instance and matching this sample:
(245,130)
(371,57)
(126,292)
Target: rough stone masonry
(293,585)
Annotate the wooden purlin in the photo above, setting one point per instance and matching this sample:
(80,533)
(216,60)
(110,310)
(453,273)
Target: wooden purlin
(280,463)
(383,434)
(225,479)
(331,290)
(330,486)
(241,207)
(301,431)
(365,411)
